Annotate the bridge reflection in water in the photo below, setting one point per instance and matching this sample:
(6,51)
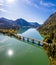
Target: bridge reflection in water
(22,38)
(29,40)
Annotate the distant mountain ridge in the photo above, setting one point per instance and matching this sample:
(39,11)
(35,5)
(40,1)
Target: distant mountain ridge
(49,28)
(6,23)
(21,22)
(35,24)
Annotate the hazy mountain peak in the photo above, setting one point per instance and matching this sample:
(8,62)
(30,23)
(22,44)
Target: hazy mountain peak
(18,23)
(21,20)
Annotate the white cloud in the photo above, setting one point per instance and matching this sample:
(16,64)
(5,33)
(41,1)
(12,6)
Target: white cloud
(26,1)
(1,2)
(46,4)
(35,5)
(3,10)
(42,5)
(30,2)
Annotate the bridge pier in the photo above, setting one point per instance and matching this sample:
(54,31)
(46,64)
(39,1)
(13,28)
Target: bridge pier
(39,43)
(23,38)
(32,40)
(28,40)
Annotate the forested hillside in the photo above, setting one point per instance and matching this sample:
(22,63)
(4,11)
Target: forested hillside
(48,29)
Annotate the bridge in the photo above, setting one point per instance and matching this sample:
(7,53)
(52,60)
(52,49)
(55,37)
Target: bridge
(22,38)
(35,42)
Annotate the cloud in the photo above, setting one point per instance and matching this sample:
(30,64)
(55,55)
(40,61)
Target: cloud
(1,2)
(3,10)
(41,5)
(30,2)
(46,4)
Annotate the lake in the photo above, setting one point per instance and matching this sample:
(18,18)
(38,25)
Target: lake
(15,52)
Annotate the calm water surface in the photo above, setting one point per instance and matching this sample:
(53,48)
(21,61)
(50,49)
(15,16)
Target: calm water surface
(15,52)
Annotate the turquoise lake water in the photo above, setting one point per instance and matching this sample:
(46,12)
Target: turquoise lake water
(15,52)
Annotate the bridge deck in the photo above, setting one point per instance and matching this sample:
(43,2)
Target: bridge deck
(31,40)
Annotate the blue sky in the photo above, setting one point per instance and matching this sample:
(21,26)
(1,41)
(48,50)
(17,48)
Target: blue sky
(30,10)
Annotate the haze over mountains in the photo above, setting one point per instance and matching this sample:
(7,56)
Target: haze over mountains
(19,23)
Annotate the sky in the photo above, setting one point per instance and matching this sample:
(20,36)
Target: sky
(30,10)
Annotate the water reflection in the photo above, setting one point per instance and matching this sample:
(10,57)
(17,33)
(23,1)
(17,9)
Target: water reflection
(10,52)
(15,52)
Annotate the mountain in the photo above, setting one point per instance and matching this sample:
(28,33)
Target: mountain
(35,24)
(6,23)
(19,23)
(22,23)
(48,29)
